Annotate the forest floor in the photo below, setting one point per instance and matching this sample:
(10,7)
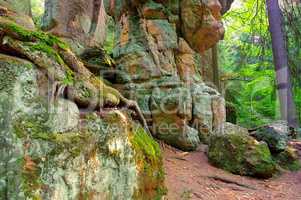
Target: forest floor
(189,176)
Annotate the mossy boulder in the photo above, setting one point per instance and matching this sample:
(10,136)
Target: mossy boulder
(275,135)
(289,159)
(241,154)
(95,156)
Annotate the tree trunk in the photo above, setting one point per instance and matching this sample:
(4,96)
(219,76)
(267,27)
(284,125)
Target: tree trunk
(284,87)
(215,68)
(226,5)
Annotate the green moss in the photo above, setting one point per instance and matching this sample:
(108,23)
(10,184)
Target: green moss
(146,144)
(28,35)
(289,159)
(241,154)
(40,41)
(30,127)
(69,79)
(149,159)
(48,50)
(43,47)
(31,182)
(261,161)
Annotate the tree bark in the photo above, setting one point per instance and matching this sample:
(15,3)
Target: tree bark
(283,77)
(215,68)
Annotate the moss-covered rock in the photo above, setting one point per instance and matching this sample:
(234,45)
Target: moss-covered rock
(93,157)
(275,135)
(241,154)
(289,159)
(149,159)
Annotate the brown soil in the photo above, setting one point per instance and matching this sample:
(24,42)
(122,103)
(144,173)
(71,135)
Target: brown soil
(189,176)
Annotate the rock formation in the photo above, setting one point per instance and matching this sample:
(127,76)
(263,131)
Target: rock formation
(80,22)
(51,147)
(159,60)
(161,54)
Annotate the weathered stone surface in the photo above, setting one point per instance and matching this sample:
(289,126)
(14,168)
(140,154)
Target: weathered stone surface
(80,22)
(232,129)
(63,116)
(19,12)
(241,154)
(171,110)
(157,53)
(153,48)
(21,7)
(187,62)
(289,159)
(201,25)
(208,111)
(92,157)
(275,135)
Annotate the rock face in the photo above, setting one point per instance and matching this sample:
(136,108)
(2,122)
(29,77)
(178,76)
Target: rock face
(50,148)
(80,22)
(160,52)
(162,55)
(159,64)
(19,11)
(21,7)
(241,154)
(50,154)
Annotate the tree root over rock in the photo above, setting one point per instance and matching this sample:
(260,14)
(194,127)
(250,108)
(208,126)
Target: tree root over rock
(63,68)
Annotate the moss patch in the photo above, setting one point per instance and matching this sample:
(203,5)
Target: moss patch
(150,166)
(289,159)
(28,35)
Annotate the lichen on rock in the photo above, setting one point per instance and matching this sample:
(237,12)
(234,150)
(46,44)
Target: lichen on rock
(239,153)
(52,148)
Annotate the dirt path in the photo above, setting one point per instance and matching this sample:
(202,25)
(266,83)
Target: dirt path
(191,177)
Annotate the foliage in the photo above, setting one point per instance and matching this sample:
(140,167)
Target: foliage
(247,58)
(37,9)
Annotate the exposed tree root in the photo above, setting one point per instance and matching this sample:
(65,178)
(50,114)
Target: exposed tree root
(64,69)
(228,181)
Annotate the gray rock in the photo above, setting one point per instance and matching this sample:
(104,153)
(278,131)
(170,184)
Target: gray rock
(239,153)
(47,152)
(64,116)
(275,135)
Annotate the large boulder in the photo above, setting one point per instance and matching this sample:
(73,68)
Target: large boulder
(276,135)
(239,153)
(289,159)
(49,150)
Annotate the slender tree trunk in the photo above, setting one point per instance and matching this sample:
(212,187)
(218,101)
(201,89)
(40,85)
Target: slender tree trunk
(284,87)
(215,68)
